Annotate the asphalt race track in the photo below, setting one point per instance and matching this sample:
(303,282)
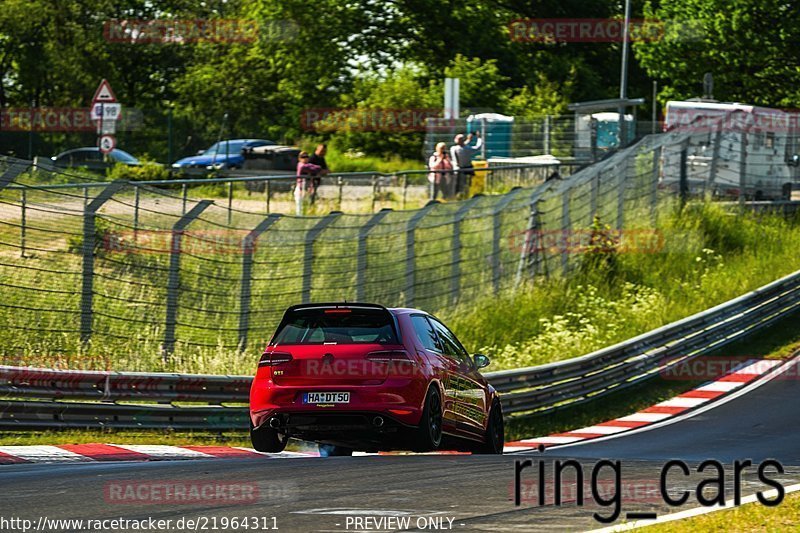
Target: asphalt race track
(477,493)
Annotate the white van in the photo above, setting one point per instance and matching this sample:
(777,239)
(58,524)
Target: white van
(771,148)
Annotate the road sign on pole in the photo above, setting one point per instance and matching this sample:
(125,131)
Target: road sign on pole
(104,94)
(107,143)
(105,111)
(102,110)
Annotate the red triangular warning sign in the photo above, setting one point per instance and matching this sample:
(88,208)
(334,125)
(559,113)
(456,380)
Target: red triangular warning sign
(104,93)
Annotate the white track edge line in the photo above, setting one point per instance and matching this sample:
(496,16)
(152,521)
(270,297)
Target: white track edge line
(741,391)
(695,511)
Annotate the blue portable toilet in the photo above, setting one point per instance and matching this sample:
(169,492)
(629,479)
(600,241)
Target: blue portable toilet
(496,130)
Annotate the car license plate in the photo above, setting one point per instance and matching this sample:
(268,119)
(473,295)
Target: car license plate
(326,397)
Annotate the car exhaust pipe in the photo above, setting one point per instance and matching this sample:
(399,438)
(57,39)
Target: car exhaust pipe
(274,422)
(377,421)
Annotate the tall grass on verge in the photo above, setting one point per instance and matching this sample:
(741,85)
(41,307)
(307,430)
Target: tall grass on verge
(709,255)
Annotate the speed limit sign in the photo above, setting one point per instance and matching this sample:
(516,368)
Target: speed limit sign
(107,143)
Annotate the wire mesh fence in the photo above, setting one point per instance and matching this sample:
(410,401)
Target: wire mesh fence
(101,268)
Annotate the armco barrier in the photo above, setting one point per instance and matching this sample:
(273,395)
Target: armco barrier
(41,398)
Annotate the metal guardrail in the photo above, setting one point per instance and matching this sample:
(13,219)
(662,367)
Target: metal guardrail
(41,398)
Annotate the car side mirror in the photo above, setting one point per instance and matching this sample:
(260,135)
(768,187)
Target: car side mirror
(201,152)
(481,360)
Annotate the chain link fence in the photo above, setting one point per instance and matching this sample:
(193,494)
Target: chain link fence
(99,268)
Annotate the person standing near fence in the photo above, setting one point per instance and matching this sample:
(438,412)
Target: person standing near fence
(305,175)
(318,158)
(461,154)
(440,176)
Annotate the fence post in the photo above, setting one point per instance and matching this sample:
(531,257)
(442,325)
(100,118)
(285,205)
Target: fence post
(712,168)
(248,247)
(654,185)
(173,281)
(411,229)
(361,255)
(547,134)
(683,183)
(23,221)
(374,192)
(11,173)
(308,255)
(135,213)
(497,237)
(622,184)
(594,193)
(566,236)
(529,246)
(743,168)
(455,266)
(230,201)
(87,288)
(183,196)
(267,192)
(405,190)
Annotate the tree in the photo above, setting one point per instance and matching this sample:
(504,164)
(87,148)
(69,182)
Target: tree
(750,46)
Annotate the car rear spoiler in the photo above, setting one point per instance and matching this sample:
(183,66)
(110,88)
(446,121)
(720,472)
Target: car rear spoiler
(336,305)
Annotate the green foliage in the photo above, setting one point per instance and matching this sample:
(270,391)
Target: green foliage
(545,98)
(749,47)
(562,318)
(147,171)
(102,232)
(482,85)
(599,259)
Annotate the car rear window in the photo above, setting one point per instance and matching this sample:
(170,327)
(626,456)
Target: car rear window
(337,326)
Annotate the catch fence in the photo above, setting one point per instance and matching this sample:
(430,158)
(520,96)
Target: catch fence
(104,267)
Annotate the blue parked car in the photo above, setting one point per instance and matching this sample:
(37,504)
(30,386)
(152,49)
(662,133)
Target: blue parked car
(222,155)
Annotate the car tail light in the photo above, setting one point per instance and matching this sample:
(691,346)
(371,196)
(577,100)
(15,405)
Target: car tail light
(388,356)
(274,358)
(338,311)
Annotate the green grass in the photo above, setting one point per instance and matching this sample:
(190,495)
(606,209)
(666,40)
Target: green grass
(748,517)
(779,341)
(710,256)
(174,438)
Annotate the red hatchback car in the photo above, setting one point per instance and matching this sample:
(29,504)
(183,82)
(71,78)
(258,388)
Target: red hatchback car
(354,376)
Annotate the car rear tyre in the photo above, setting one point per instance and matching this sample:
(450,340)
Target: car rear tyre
(266,439)
(429,432)
(330,450)
(495,432)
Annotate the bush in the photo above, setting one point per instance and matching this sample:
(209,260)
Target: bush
(102,231)
(147,171)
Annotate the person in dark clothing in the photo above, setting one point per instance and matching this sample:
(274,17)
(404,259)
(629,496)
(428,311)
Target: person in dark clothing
(318,158)
(461,155)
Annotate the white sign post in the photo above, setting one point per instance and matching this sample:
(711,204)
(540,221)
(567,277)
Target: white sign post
(106,111)
(451,98)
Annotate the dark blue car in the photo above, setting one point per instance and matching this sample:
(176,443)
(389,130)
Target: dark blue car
(222,155)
